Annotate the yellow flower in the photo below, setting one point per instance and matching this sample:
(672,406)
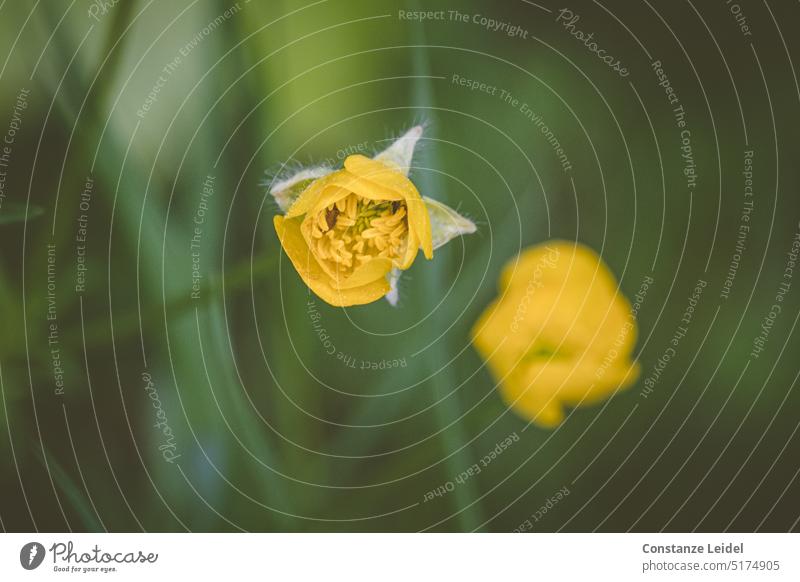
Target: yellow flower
(347,230)
(560,333)
(350,233)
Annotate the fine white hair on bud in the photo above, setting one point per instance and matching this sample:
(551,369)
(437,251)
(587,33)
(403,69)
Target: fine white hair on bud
(401,152)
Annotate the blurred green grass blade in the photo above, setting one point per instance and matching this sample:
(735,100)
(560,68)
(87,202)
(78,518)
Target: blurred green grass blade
(448,411)
(253,436)
(76,95)
(116,33)
(13,212)
(78,501)
(371,410)
(237,279)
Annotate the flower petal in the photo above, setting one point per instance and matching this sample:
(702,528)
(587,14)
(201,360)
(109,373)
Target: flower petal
(310,196)
(286,192)
(367,187)
(382,174)
(547,414)
(373,269)
(379,173)
(420,224)
(315,277)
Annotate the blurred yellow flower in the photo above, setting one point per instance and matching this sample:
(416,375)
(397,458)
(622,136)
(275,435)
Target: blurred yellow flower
(348,229)
(350,233)
(560,333)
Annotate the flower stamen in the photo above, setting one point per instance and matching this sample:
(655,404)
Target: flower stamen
(354,230)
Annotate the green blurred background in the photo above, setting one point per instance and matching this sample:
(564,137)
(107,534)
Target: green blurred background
(270,432)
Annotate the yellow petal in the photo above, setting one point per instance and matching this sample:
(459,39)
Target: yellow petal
(374,190)
(385,176)
(333,192)
(411,251)
(310,196)
(373,269)
(531,403)
(382,174)
(420,224)
(598,389)
(315,277)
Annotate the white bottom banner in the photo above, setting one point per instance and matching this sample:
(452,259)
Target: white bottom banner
(401,557)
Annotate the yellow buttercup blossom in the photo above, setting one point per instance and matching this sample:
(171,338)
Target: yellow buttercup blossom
(559,334)
(348,229)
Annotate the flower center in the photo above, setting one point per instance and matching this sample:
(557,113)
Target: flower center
(545,351)
(355,230)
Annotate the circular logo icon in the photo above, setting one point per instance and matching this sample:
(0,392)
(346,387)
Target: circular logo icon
(31,555)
